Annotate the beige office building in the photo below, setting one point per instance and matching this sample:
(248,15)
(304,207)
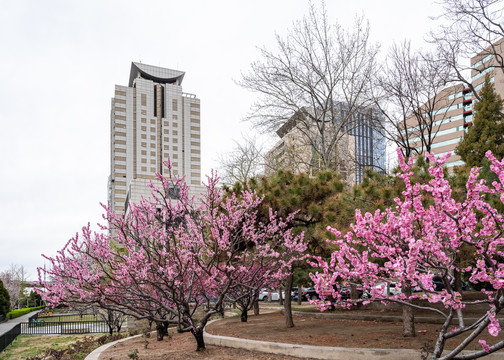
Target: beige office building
(454,110)
(152,120)
(357,147)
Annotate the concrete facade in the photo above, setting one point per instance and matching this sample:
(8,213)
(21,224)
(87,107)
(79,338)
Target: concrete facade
(454,105)
(152,120)
(358,145)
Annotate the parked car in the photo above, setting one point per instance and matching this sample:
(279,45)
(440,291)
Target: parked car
(439,284)
(313,295)
(346,291)
(275,296)
(307,292)
(393,289)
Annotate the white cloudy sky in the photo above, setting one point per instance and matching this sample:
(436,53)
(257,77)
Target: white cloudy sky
(60,60)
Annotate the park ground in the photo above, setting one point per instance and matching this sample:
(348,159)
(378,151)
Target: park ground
(271,327)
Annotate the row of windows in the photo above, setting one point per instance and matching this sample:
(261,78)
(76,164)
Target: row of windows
(443,143)
(436,123)
(445,109)
(441,133)
(484,60)
(456,95)
(480,86)
(483,73)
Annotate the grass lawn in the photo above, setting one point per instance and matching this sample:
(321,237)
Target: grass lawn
(29,345)
(65,318)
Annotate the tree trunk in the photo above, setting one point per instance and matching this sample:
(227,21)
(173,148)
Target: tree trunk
(160,331)
(408,316)
(354,294)
(287,304)
(200,342)
(299,299)
(280,297)
(165,328)
(244,315)
(110,322)
(256,306)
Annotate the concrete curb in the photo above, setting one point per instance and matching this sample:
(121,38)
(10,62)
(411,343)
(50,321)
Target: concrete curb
(308,351)
(320,352)
(97,352)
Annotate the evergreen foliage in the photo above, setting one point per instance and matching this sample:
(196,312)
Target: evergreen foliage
(4,300)
(487,130)
(313,197)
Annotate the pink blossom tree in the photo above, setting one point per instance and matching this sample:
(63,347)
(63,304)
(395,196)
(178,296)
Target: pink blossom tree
(422,238)
(170,259)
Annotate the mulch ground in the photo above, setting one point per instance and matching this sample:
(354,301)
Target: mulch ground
(271,327)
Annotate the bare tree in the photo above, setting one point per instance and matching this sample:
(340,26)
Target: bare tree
(470,27)
(412,96)
(244,162)
(315,82)
(14,280)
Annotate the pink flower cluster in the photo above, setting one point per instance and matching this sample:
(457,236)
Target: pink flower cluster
(165,258)
(420,239)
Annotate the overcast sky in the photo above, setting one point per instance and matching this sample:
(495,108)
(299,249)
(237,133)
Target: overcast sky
(59,63)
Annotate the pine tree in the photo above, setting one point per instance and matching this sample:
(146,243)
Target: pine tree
(487,130)
(4,300)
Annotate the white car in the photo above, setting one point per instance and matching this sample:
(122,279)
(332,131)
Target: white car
(393,290)
(275,296)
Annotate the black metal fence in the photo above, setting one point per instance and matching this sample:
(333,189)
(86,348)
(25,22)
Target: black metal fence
(9,336)
(64,327)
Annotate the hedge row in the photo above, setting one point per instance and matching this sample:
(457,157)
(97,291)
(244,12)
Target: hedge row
(19,312)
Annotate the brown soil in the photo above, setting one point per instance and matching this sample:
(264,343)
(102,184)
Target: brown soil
(271,327)
(179,347)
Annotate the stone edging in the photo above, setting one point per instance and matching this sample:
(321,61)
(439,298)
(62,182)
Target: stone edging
(309,351)
(319,352)
(95,354)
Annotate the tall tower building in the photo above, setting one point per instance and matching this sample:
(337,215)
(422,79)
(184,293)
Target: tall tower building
(152,120)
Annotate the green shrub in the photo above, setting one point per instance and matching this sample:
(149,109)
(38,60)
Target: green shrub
(20,312)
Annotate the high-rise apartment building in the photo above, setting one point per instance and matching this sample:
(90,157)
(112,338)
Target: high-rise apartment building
(152,120)
(453,112)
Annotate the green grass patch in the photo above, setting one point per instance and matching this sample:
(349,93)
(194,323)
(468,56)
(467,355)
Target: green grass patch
(65,318)
(71,346)
(26,346)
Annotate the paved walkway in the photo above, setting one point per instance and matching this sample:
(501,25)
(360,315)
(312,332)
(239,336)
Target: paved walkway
(9,324)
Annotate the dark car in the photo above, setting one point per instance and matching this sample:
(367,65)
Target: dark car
(305,293)
(439,285)
(313,295)
(346,292)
